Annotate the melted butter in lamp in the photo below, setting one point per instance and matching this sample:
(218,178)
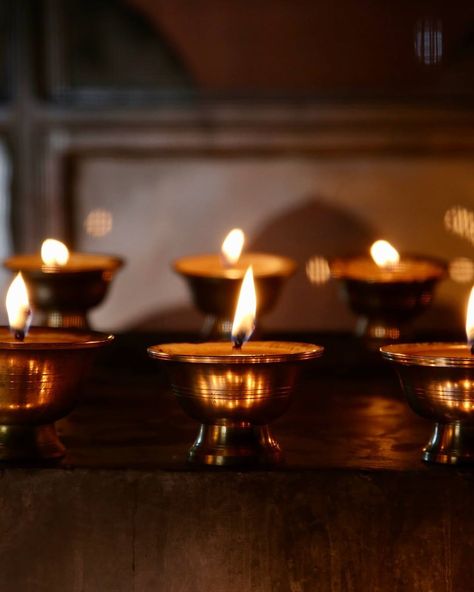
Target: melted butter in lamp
(210,266)
(232,264)
(257,352)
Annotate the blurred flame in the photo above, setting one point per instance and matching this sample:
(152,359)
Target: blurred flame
(18,307)
(232,246)
(244,319)
(470,317)
(54,252)
(384,254)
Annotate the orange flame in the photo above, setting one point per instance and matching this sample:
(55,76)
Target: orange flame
(18,307)
(232,246)
(470,318)
(245,313)
(384,254)
(54,253)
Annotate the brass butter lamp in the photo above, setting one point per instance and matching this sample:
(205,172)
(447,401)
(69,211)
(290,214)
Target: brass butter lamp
(41,374)
(64,286)
(235,389)
(214,281)
(438,382)
(387,291)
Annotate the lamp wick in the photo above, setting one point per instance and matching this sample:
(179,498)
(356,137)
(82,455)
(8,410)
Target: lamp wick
(19,334)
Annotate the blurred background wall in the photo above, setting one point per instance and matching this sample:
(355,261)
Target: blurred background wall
(149,128)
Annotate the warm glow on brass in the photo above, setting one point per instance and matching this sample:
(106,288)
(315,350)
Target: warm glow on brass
(54,253)
(438,382)
(232,246)
(246,311)
(235,394)
(18,305)
(384,254)
(40,380)
(470,318)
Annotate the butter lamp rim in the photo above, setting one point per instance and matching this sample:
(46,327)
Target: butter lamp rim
(163,352)
(440,273)
(418,354)
(32,263)
(288,267)
(79,339)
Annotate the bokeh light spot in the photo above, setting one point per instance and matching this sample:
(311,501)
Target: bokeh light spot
(98,223)
(460,221)
(461,270)
(317,270)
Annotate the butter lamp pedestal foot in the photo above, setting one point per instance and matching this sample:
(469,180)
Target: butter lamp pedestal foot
(30,443)
(235,445)
(450,444)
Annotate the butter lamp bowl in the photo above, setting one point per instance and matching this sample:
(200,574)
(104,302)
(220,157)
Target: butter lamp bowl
(438,382)
(65,294)
(234,394)
(215,288)
(387,300)
(40,381)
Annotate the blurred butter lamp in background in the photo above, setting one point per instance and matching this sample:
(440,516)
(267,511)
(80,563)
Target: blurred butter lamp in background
(214,281)
(64,285)
(387,290)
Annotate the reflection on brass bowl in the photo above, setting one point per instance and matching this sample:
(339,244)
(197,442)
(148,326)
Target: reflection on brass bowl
(438,382)
(40,380)
(215,288)
(65,294)
(235,395)
(385,301)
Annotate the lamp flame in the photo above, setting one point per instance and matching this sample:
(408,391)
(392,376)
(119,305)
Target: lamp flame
(232,246)
(384,254)
(470,320)
(18,307)
(54,253)
(244,320)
